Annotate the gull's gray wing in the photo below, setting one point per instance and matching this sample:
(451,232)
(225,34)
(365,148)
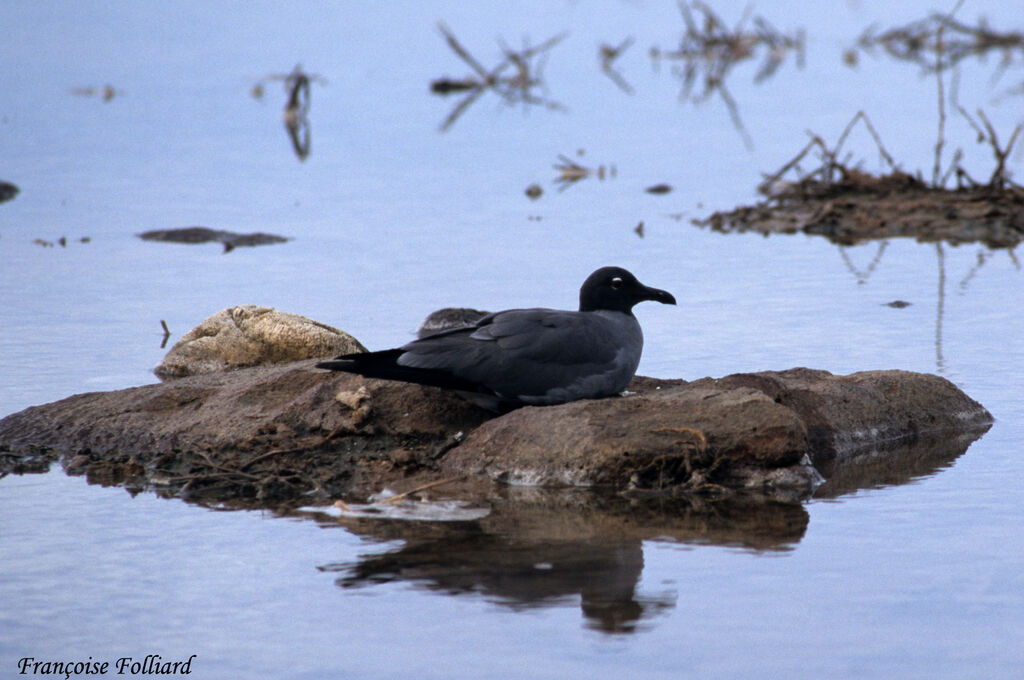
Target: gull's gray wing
(537,356)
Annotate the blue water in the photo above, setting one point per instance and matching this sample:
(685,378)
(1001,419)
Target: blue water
(390,219)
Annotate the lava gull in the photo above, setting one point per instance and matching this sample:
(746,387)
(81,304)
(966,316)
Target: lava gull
(528,356)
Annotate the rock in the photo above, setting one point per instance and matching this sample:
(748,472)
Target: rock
(277,432)
(229,239)
(8,191)
(267,433)
(846,415)
(249,335)
(776,430)
(661,433)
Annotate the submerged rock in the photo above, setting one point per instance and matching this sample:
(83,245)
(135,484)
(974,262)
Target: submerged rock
(229,239)
(8,191)
(249,335)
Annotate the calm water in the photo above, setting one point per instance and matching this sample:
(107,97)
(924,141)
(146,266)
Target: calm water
(389,218)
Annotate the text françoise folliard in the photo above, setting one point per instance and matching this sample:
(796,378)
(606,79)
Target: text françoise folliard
(152,664)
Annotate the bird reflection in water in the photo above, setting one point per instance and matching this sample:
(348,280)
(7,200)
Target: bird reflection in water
(540,548)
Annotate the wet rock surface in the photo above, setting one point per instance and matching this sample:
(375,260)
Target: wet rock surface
(250,335)
(281,433)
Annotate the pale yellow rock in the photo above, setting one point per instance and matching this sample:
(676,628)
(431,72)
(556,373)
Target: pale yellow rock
(250,335)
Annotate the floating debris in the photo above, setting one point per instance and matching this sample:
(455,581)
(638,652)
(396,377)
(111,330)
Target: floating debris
(534,191)
(229,239)
(420,511)
(639,229)
(897,304)
(848,205)
(62,242)
(8,191)
(106,93)
(571,172)
(608,55)
(517,88)
(659,189)
(710,49)
(390,505)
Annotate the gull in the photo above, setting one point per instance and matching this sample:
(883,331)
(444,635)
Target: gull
(528,357)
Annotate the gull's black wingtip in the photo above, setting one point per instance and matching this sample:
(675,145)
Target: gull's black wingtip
(345,362)
(336,365)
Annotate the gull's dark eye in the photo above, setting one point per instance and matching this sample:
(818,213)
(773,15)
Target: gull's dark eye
(617,283)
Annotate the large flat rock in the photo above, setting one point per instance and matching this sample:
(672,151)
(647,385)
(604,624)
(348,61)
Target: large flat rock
(283,431)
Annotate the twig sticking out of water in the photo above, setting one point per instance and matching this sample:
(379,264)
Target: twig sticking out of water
(514,89)
(710,49)
(941,139)
(940,42)
(608,55)
(831,168)
(296,109)
(1000,178)
(167,333)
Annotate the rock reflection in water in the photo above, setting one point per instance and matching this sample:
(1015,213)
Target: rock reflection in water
(539,547)
(542,547)
(899,464)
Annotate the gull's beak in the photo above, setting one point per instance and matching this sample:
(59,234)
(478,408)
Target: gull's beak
(657,295)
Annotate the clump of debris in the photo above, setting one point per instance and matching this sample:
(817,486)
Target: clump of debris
(848,205)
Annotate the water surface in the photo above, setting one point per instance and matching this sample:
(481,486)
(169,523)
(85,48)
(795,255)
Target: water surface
(388,219)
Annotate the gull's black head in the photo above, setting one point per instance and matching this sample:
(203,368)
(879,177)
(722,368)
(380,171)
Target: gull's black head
(615,289)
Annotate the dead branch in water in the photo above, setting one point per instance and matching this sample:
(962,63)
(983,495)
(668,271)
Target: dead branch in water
(831,168)
(709,49)
(517,88)
(608,55)
(940,42)
(1000,178)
